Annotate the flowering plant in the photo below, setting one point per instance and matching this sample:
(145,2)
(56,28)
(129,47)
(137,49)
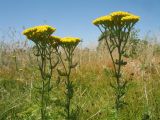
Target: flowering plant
(45,47)
(68,45)
(116,28)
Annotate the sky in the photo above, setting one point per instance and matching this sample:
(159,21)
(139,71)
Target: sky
(74,17)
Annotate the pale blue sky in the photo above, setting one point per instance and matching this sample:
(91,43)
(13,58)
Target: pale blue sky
(74,17)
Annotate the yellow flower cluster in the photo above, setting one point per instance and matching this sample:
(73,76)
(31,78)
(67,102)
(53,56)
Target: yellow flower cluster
(116,18)
(69,40)
(130,18)
(43,34)
(119,14)
(102,19)
(38,32)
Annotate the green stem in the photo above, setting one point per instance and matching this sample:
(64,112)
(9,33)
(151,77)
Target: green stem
(42,103)
(68,98)
(69,87)
(118,80)
(118,76)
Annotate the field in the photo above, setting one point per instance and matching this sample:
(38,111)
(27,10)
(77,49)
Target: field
(93,98)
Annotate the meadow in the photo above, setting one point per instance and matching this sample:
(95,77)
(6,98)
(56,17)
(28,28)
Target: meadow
(92,80)
(93,94)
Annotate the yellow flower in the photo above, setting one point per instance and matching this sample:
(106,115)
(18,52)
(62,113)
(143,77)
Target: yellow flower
(38,32)
(69,40)
(131,18)
(119,14)
(101,20)
(118,18)
(68,43)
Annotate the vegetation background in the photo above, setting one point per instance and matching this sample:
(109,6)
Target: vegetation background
(93,97)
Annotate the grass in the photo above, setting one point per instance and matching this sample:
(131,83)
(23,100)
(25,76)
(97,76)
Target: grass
(93,97)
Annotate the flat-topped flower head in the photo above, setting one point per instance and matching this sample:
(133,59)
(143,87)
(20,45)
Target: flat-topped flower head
(69,40)
(119,14)
(102,20)
(131,18)
(119,18)
(38,32)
